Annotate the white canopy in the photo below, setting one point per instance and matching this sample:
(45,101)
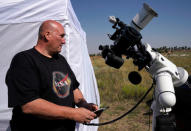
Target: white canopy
(19,23)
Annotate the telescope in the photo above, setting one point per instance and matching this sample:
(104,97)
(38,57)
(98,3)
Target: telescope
(127,42)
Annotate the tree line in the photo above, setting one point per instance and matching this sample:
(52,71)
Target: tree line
(163,49)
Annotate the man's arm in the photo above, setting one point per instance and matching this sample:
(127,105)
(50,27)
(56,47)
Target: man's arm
(46,109)
(81,102)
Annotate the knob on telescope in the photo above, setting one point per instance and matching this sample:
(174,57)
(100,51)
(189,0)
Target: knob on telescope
(134,77)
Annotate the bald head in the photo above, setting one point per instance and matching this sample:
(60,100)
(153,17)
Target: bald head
(51,38)
(48,26)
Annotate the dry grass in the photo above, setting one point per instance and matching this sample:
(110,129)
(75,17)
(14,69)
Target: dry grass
(117,92)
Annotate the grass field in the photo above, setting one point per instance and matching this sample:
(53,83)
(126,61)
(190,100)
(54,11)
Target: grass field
(117,92)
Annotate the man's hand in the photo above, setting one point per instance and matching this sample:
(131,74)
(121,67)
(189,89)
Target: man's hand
(91,106)
(83,115)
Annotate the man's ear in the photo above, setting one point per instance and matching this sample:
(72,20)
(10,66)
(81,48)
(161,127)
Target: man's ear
(47,36)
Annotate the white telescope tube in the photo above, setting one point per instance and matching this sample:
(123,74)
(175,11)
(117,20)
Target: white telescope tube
(165,90)
(143,17)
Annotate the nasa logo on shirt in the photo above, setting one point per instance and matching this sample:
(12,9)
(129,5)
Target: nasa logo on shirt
(61,84)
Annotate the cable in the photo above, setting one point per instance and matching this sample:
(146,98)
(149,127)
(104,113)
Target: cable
(149,118)
(118,118)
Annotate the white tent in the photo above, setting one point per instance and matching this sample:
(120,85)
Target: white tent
(19,23)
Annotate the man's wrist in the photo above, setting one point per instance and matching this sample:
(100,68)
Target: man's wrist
(82,103)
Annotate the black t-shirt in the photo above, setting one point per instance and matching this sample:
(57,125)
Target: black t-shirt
(32,76)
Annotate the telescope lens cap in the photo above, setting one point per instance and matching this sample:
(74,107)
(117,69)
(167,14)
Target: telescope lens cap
(134,77)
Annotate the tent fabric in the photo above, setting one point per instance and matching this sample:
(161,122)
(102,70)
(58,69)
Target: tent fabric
(19,24)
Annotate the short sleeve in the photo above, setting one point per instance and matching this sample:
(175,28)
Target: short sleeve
(76,84)
(22,80)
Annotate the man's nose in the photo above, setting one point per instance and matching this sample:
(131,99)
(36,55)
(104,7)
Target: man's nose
(63,41)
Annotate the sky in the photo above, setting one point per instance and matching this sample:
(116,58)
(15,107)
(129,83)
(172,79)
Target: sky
(171,28)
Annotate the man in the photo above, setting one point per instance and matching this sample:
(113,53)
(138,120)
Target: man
(42,89)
